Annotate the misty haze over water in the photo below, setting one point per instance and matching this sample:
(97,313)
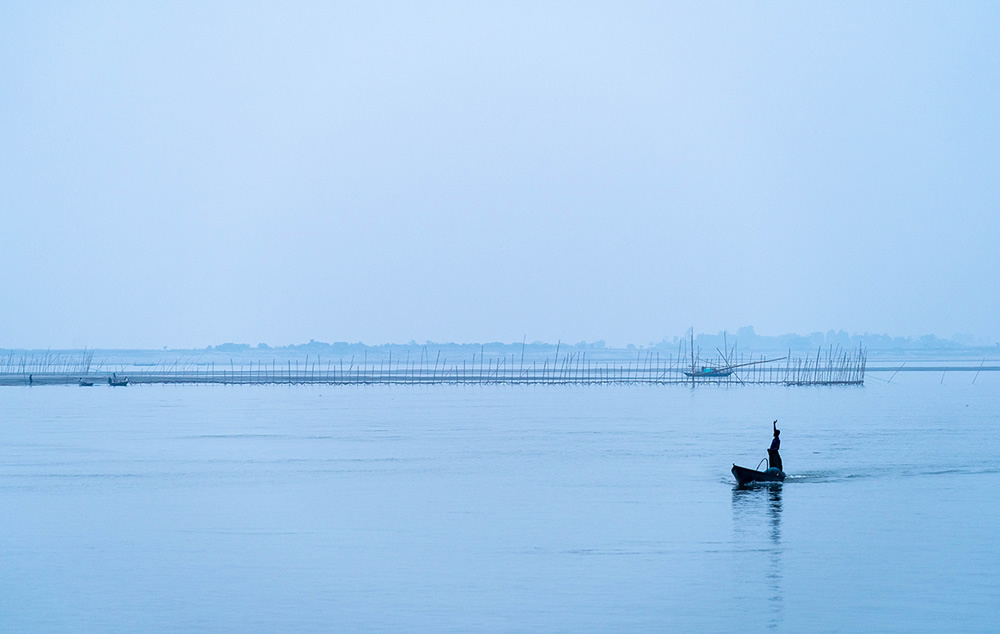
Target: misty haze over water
(532,203)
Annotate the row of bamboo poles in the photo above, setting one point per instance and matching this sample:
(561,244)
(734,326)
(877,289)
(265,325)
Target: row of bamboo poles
(832,367)
(47,362)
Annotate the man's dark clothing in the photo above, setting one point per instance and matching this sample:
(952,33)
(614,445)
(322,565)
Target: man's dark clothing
(773,458)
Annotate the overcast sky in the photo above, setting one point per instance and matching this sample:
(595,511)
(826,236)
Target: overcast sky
(189,173)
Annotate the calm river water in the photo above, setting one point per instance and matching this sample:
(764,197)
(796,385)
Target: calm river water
(500,508)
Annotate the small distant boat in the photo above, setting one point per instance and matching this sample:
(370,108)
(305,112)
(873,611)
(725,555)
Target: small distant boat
(718,371)
(84,383)
(709,372)
(705,373)
(117,382)
(746,476)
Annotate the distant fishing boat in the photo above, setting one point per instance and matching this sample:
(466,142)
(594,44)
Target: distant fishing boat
(717,371)
(84,383)
(707,372)
(114,381)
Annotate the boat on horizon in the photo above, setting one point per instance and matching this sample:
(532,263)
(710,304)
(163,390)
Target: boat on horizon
(718,371)
(707,372)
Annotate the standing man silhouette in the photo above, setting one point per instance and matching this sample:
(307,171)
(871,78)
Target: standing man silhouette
(773,457)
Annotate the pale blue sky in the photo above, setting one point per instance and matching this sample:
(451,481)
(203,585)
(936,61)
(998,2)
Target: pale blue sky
(183,174)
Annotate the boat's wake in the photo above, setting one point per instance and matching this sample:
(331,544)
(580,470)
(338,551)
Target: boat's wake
(895,471)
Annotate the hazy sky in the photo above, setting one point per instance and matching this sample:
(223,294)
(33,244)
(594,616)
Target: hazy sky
(188,173)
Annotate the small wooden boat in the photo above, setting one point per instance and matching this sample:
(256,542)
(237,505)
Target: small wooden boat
(84,383)
(718,371)
(117,382)
(746,476)
(708,373)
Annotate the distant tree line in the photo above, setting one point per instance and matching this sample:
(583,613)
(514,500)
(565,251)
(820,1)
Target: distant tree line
(746,338)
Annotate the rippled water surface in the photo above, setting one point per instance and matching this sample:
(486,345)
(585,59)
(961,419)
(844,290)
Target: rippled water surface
(500,508)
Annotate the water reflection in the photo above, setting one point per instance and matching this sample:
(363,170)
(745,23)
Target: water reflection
(774,511)
(757,519)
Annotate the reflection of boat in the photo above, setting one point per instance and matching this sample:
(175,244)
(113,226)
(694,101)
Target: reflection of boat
(746,476)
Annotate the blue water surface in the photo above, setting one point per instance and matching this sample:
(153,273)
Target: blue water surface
(500,508)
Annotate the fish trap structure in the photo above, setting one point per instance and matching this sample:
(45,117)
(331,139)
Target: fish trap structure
(827,367)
